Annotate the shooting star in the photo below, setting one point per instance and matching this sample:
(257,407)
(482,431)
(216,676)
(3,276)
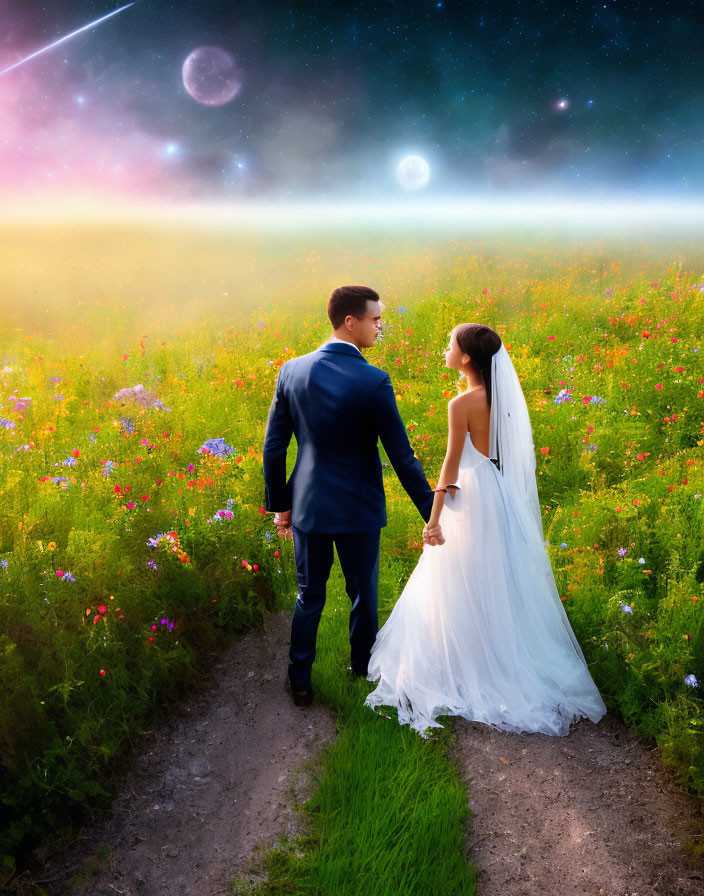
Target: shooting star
(68,37)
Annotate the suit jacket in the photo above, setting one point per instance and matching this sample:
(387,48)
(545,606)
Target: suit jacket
(338,406)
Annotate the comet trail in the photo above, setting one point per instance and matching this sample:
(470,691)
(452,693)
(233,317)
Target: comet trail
(68,37)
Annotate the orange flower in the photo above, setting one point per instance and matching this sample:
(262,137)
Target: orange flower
(545,451)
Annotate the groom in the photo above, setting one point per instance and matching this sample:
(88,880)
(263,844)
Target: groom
(338,406)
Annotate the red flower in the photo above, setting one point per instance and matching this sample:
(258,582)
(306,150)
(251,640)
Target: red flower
(102,609)
(658,385)
(545,451)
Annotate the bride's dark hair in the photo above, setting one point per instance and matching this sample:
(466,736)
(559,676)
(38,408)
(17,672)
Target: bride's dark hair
(481,343)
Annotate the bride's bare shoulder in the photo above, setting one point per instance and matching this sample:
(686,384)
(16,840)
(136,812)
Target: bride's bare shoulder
(472,398)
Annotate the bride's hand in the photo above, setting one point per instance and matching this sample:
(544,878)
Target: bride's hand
(432,535)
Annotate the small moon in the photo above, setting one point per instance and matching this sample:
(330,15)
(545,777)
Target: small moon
(211,76)
(413,172)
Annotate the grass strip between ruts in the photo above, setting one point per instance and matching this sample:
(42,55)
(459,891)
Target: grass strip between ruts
(388,810)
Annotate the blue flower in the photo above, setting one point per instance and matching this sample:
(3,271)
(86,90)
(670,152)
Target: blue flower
(691,680)
(7,424)
(59,480)
(126,424)
(216,447)
(564,544)
(3,564)
(596,400)
(69,462)
(627,609)
(563,395)
(108,467)
(641,560)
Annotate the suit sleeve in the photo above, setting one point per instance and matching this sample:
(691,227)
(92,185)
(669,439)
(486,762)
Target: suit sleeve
(279,429)
(394,438)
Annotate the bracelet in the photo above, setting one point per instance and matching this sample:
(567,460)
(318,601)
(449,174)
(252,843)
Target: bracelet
(436,490)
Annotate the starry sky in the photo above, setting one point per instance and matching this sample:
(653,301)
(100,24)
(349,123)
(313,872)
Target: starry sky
(500,98)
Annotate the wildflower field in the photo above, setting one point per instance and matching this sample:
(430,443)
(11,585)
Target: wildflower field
(137,365)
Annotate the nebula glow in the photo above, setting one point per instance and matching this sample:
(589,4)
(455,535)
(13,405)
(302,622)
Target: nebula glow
(503,99)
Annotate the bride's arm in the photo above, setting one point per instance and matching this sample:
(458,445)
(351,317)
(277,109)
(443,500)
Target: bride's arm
(456,435)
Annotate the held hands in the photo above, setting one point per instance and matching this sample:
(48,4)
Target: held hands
(433,536)
(282,521)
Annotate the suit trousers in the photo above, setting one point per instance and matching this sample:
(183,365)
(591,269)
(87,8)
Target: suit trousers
(358,553)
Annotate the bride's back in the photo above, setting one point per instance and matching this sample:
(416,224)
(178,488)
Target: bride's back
(476,406)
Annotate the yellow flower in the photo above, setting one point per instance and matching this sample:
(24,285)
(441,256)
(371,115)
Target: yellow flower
(51,546)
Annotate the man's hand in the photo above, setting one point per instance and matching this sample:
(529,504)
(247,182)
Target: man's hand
(282,521)
(432,535)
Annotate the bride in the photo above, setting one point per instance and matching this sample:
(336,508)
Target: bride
(479,631)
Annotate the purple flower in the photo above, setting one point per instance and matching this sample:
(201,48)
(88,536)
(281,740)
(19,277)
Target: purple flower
(622,552)
(691,680)
(7,424)
(69,462)
(127,425)
(3,564)
(152,563)
(627,609)
(216,447)
(563,395)
(596,400)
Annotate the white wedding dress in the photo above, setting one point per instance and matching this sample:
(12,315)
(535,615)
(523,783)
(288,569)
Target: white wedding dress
(479,631)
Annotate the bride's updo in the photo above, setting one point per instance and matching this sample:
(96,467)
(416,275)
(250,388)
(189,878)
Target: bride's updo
(481,343)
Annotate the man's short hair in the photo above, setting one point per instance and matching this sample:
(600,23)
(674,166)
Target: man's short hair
(349,300)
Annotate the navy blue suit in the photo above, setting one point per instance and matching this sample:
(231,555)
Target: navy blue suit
(338,406)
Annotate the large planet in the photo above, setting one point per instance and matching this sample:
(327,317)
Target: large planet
(211,76)
(413,172)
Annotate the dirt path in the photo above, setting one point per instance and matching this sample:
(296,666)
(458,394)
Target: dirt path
(591,813)
(212,784)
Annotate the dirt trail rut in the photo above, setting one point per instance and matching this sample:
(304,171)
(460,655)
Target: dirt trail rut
(212,784)
(591,813)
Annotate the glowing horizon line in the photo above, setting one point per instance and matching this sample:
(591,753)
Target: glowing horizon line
(67,37)
(573,212)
